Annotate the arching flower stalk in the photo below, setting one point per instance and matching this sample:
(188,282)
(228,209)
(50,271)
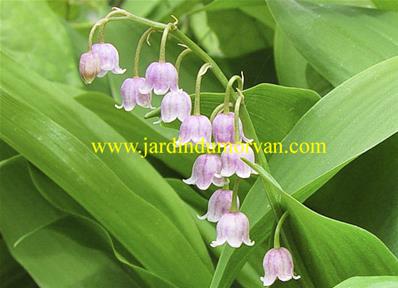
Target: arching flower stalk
(223,123)
(196,128)
(162,76)
(232,154)
(233,226)
(278,262)
(176,104)
(134,90)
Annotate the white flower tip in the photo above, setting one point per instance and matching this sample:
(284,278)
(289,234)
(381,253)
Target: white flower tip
(249,242)
(216,244)
(118,70)
(188,181)
(118,106)
(296,277)
(202,217)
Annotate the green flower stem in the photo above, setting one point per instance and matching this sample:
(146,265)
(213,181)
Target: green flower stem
(202,71)
(234,203)
(141,42)
(236,116)
(229,90)
(162,55)
(216,111)
(181,57)
(218,73)
(277,243)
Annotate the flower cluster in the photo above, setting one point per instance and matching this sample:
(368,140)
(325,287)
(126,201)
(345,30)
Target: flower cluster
(224,127)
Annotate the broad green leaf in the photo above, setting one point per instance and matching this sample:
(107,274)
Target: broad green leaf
(338,41)
(60,200)
(228,41)
(273,109)
(11,273)
(123,193)
(52,248)
(292,68)
(329,251)
(333,251)
(342,119)
(370,282)
(350,120)
(386,4)
(41,42)
(365,193)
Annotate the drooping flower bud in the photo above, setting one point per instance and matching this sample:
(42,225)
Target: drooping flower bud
(196,129)
(89,66)
(132,96)
(231,162)
(219,204)
(223,129)
(162,77)
(206,170)
(175,104)
(108,58)
(278,263)
(233,228)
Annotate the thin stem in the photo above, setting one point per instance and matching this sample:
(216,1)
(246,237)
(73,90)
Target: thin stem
(216,111)
(226,186)
(181,57)
(162,55)
(277,242)
(236,116)
(141,42)
(228,91)
(234,203)
(202,71)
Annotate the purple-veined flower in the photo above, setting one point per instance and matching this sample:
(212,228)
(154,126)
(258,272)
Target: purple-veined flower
(278,263)
(89,66)
(223,129)
(219,204)
(233,228)
(232,163)
(161,77)
(206,170)
(132,96)
(175,104)
(108,58)
(195,129)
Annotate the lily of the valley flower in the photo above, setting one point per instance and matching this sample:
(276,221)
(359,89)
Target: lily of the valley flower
(89,66)
(231,162)
(175,104)
(195,129)
(108,59)
(132,96)
(219,204)
(233,228)
(278,263)
(206,170)
(161,77)
(223,129)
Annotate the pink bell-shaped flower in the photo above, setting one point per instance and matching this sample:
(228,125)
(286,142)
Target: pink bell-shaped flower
(219,204)
(89,66)
(175,104)
(233,228)
(161,77)
(206,170)
(132,96)
(278,263)
(108,58)
(232,163)
(195,129)
(223,129)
